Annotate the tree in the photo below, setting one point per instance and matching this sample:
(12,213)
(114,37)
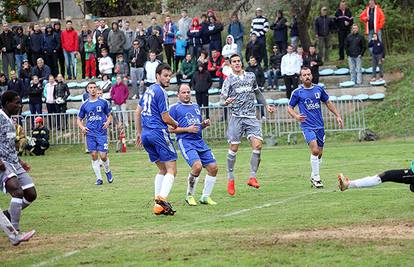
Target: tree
(302,9)
(37,6)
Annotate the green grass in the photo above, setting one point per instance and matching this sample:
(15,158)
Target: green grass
(285,222)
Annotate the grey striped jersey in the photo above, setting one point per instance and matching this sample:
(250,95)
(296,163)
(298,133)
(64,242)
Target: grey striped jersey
(243,88)
(7,139)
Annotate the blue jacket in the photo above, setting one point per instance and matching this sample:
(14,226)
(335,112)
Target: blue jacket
(169,33)
(377,48)
(236,30)
(180,46)
(50,43)
(36,41)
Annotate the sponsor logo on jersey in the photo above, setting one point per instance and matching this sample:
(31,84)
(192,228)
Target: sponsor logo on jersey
(191,119)
(93,117)
(310,105)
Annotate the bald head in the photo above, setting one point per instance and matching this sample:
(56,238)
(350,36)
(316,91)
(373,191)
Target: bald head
(184,93)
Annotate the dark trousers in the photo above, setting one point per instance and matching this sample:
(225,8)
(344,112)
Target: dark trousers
(282,46)
(202,101)
(315,75)
(169,53)
(51,61)
(61,59)
(341,40)
(83,62)
(51,108)
(177,61)
(35,108)
(291,82)
(61,108)
(262,40)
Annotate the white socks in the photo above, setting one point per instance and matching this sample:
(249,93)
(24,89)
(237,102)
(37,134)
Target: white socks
(365,182)
(167,184)
(106,165)
(96,166)
(158,184)
(208,185)
(315,166)
(191,184)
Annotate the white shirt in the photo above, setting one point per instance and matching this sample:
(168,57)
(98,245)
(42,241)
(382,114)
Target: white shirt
(229,50)
(106,65)
(150,70)
(50,89)
(290,64)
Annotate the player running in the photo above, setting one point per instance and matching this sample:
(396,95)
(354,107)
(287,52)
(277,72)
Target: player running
(308,97)
(192,146)
(14,178)
(239,93)
(151,119)
(402,176)
(98,116)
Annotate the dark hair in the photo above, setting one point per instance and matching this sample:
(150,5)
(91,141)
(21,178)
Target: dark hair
(253,57)
(152,52)
(7,97)
(115,23)
(233,56)
(89,83)
(162,67)
(139,22)
(204,52)
(68,21)
(280,12)
(204,15)
(154,18)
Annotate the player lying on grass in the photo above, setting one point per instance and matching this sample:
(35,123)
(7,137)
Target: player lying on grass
(98,116)
(239,92)
(14,178)
(309,98)
(152,119)
(192,146)
(402,176)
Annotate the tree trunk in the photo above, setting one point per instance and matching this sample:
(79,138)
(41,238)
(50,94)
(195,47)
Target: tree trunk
(302,9)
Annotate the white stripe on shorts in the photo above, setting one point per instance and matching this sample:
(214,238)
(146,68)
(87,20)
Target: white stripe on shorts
(180,143)
(170,145)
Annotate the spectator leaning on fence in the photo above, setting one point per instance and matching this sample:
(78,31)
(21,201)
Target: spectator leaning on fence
(70,47)
(7,50)
(374,19)
(344,21)
(355,46)
(237,31)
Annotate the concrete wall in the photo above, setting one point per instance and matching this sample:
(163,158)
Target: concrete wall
(70,9)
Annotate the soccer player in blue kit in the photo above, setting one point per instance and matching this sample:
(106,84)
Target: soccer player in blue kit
(192,146)
(98,116)
(309,98)
(151,120)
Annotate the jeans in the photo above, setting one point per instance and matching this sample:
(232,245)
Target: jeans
(239,43)
(35,108)
(8,60)
(70,63)
(377,62)
(19,59)
(122,115)
(137,75)
(355,69)
(294,41)
(272,78)
(323,46)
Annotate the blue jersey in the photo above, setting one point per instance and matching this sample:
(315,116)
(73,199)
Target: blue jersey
(187,115)
(309,102)
(96,113)
(154,103)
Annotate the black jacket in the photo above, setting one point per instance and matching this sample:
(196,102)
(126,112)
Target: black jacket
(276,60)
(140,58)
(35,93)
(341,18)
(155,43)
(258,71)
(43,73)
(201,81)
(355,45)
(17,86)
(50,43)
(61,90)
(323,26)
(377,48)
(36,41)
(255,50)
(23,41)
(309,58)
(6,40)
(142,39)
(205,35)
(279,30)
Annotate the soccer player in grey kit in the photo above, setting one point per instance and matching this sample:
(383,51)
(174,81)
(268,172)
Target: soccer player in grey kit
(239,92)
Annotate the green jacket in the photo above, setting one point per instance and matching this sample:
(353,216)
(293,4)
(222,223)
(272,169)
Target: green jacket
(188,68)
(89,50)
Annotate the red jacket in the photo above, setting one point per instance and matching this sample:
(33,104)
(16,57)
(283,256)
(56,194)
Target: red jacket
(379,19)
(70,41)
(119,93)
(219,60)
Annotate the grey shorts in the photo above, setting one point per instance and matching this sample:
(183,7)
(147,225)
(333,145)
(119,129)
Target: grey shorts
(239,126)
(15,170)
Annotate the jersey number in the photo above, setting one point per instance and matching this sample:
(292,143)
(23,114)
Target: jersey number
(147,104)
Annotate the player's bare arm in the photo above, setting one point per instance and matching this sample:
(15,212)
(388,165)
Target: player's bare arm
(81,126)
(295,115)
(138,126)
(168,120)
(205,123)
(333,109)
(190,129)
(261,100)
(107,122)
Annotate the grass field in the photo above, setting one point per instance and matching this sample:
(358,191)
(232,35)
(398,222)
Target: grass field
(285,222)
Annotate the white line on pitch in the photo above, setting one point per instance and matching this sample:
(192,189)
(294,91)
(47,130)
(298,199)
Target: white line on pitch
(55,259)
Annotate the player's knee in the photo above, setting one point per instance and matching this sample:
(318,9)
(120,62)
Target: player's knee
(94,155)
(30,194)
(257,146)
(196,168)
(213,169)
(315,151)
(14,189)
(234,148)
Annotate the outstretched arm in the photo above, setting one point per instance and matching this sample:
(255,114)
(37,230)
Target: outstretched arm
(332,109)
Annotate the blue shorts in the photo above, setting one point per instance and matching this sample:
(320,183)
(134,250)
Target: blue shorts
(193,150)
(97,143)
(158,144)
(314,134)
